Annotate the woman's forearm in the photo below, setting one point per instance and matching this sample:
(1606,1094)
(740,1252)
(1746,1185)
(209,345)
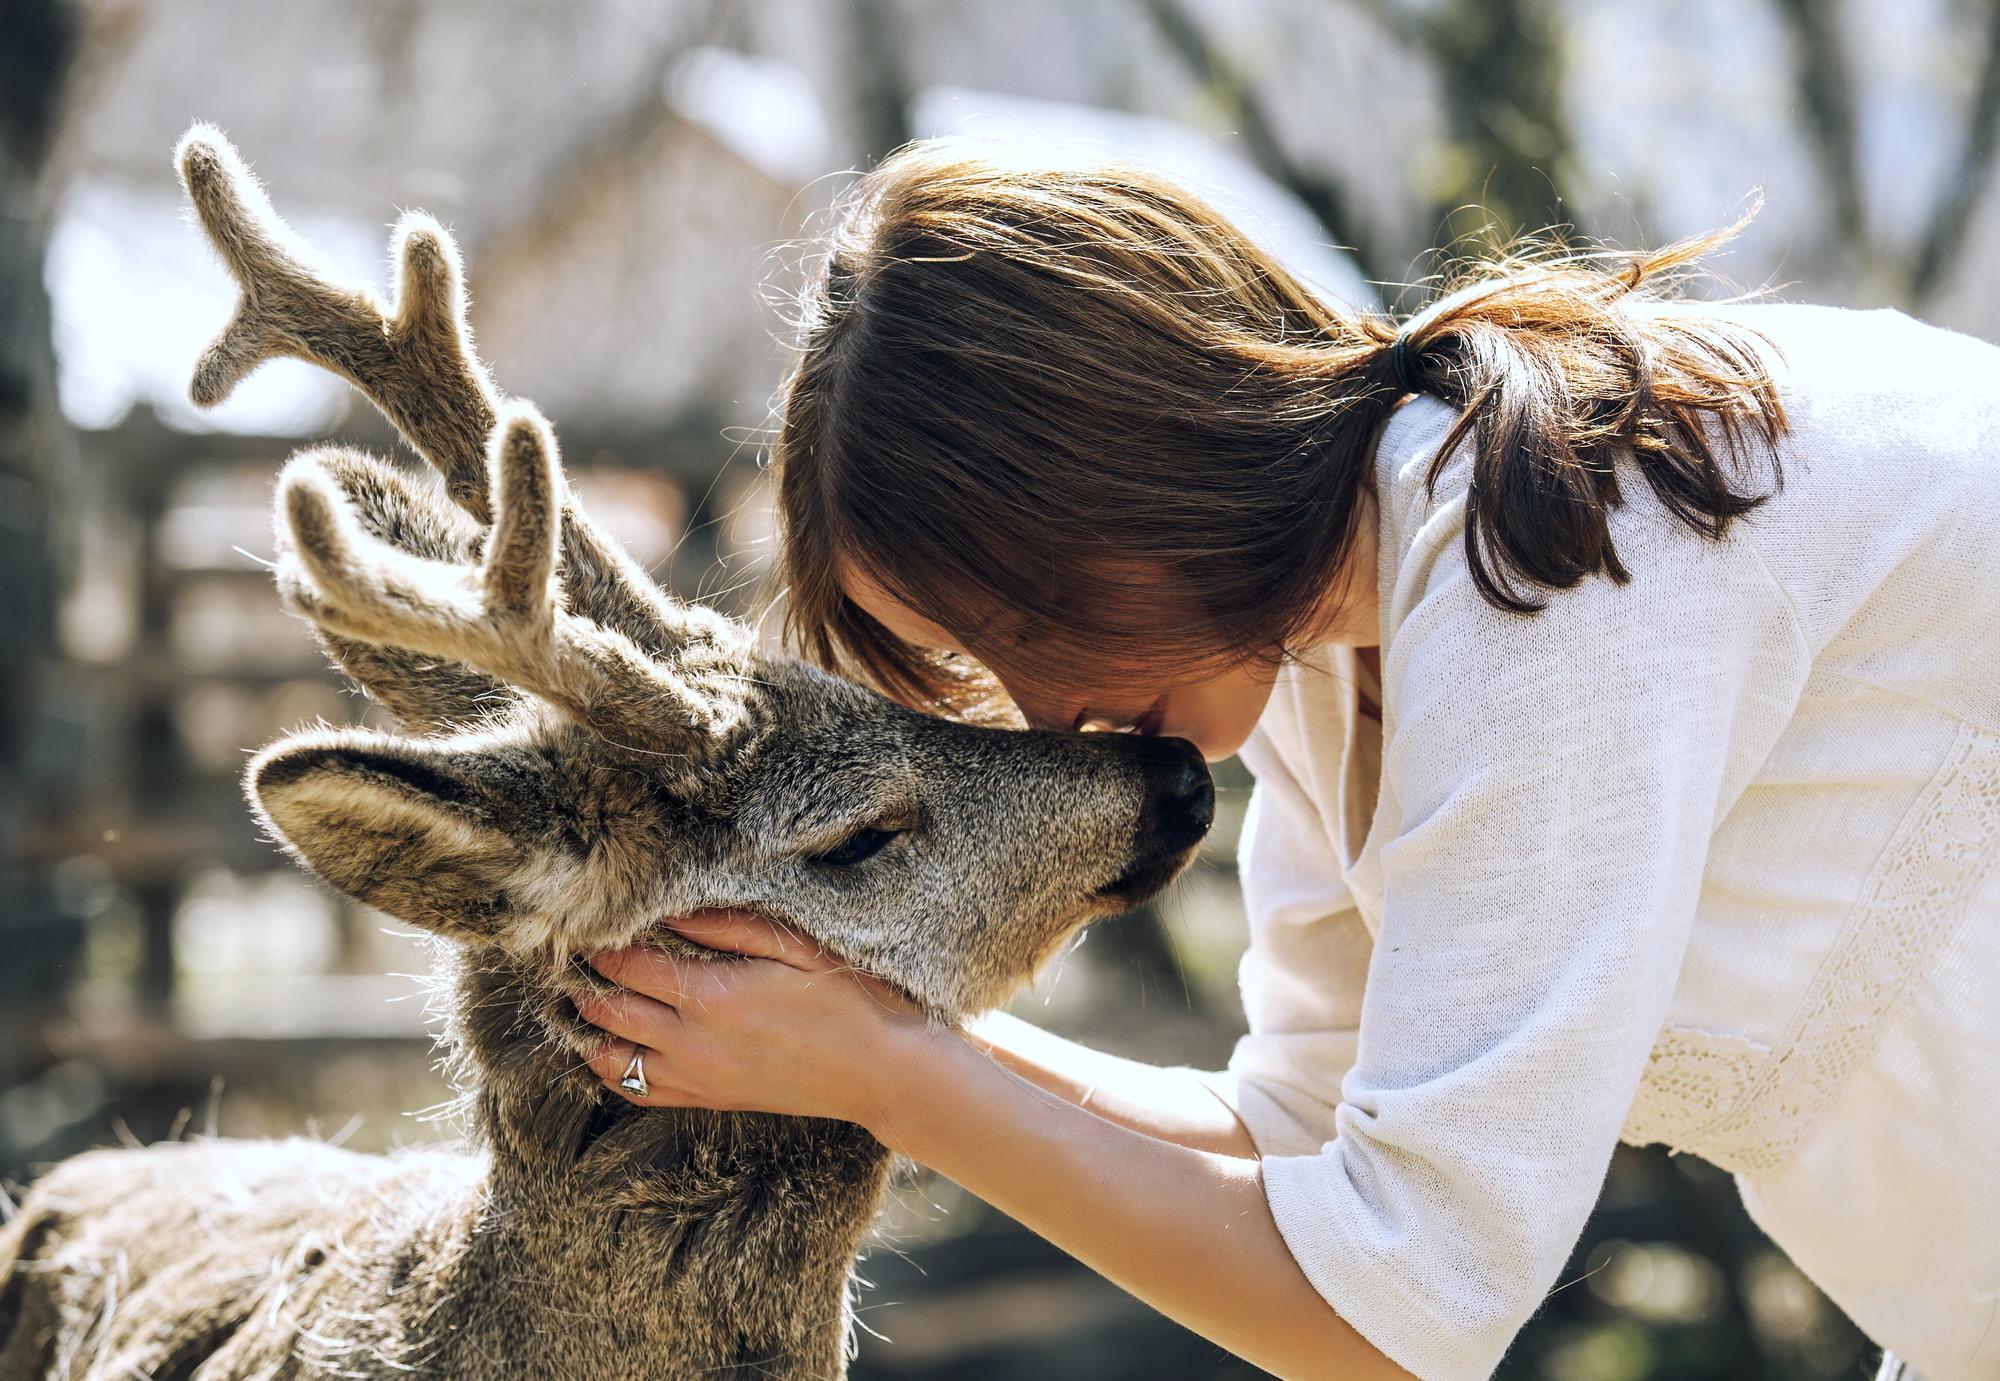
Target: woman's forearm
(788,1030)
(1170,1104)
(1186,1230)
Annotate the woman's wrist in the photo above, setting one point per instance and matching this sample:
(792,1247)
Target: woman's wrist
(1177,1105)
(916,1066)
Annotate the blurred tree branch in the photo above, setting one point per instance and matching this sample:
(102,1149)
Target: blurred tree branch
(1965,186)
(1827,105)
(1501,74)
(1825,81)
(880,88)
(1321,191)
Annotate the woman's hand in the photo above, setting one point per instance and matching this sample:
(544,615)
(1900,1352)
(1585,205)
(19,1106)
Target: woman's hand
(785,1029)
(788,1029)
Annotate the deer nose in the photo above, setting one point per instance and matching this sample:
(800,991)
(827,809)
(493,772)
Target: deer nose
(1183,794)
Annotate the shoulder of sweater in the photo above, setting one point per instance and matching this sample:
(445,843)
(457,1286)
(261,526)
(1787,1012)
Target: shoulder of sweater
(1673,569)
(1834,364)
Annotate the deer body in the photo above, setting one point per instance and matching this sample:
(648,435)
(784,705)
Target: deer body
(588,1238)
(581,756)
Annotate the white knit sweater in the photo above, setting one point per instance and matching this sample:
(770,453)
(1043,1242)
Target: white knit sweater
(1706,859)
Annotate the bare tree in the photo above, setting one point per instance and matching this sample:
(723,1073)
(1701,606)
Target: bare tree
(1825,79)
(1965,187)
(35,63)
(879,86)
(1830,116)
(1501,76)
(1322,192)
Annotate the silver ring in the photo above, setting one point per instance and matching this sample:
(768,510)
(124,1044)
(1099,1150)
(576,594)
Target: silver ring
(634,1078)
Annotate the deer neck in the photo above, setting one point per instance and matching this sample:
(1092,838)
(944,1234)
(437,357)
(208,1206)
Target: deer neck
(687,1224)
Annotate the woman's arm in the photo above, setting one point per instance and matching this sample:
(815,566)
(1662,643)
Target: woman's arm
(1184,1228)
(1170,1104)
(791,1031)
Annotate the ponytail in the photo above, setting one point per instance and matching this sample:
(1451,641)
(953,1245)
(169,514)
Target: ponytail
(1558,367)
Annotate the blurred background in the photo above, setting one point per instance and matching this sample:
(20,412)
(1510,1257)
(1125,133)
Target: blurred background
(636,186)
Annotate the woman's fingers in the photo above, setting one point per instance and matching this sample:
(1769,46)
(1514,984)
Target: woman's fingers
(643,1025)
(742,932)
(666,977)
(681,981)
(638,1018)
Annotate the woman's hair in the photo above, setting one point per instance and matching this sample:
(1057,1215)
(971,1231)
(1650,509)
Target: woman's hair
(1078,418)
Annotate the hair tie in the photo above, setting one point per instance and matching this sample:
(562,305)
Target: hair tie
(1400,363)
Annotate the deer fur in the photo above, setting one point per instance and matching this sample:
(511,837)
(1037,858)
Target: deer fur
(580,756)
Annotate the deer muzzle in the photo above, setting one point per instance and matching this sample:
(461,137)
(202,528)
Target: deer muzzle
(1178,810)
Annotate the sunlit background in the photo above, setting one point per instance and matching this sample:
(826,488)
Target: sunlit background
(636,186)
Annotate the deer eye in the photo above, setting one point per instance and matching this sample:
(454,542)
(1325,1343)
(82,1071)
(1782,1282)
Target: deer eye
(857,848)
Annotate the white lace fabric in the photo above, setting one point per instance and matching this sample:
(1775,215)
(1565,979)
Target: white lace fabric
(1745,1106)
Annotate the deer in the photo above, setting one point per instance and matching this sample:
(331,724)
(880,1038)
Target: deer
(577,755)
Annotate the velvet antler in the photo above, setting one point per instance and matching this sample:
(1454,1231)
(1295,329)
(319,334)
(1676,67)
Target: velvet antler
(503,616)
(415,362)
(375,573)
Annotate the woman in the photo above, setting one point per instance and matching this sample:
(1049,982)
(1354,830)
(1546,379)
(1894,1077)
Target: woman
(1621,679)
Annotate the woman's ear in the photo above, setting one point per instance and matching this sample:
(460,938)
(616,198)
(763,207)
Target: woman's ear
(422,830)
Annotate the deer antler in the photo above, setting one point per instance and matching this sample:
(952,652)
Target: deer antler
(416,363)
(503,617)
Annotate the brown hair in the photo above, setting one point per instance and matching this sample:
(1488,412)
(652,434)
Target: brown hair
(1023,392)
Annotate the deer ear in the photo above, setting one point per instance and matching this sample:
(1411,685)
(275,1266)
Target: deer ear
(418,829)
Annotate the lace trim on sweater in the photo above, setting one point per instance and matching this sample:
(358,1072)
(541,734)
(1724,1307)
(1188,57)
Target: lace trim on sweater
(1746,1107)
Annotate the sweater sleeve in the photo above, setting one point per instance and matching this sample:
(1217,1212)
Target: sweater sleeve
(1557,777)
